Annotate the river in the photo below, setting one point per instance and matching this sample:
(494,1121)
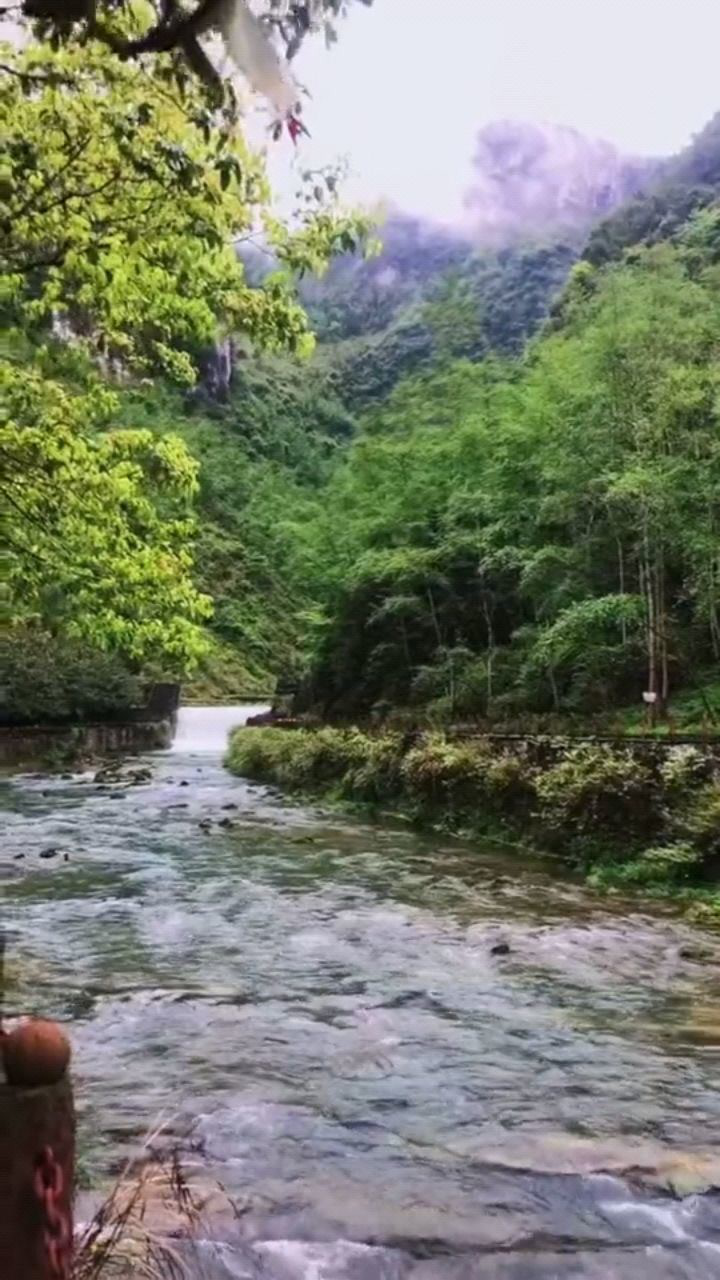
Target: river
(407,1056)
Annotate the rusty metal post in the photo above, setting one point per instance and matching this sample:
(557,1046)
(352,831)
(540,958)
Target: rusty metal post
(37,1155)
(37,1169)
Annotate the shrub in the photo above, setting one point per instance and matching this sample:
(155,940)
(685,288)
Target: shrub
(46,679)
(374,767)
(597,789)
(701,819)
(359,765)
(251,752)
(683,766)
(438,770)
(592,799)
(510,778)
(667,865)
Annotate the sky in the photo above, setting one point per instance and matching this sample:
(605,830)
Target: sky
(410,82)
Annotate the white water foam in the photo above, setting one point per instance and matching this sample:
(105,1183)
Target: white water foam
(206,729)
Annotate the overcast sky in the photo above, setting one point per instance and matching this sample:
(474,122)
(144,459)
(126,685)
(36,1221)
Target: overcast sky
(410,82)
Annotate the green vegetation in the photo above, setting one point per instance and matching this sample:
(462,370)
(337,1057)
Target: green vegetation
(98,522)
(426,298)
(46,679)
(474,502)
(684,185)
(539,538)
(125,185)
(627,817)
(264,453)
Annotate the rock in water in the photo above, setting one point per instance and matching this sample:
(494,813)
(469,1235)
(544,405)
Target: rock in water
(695,953)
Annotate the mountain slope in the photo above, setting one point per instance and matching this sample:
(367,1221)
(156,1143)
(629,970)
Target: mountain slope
(533,180)
(683,185)
(391,331)
(534,193)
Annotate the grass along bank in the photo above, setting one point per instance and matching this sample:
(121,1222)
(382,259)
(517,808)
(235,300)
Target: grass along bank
(631,816)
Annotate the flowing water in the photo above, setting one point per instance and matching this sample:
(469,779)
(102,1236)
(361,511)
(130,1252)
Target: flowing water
(403,1055)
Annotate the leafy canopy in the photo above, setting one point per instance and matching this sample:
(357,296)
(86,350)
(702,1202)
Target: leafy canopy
(123,202)
(97,523)
(125,193)
(542,536)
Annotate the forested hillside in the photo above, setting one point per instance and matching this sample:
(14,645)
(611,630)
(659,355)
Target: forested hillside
(540,536)
(433,293)
(682,186)
(269,441)
(264,451)
(491,491)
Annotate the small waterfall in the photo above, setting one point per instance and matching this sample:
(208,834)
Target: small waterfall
(206,729)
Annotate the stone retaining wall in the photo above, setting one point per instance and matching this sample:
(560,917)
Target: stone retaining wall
(35,744)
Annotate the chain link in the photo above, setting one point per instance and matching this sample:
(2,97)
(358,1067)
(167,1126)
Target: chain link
(49,1184)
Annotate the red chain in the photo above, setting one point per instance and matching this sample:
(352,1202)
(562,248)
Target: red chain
(48,1185)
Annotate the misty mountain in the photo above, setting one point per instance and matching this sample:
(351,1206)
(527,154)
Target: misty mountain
(482,287)
(531,180)
(684,184)
(538,198)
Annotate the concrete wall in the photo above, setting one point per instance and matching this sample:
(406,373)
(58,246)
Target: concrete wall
(34,744)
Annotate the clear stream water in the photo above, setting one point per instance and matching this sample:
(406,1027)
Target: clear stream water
(314,1006)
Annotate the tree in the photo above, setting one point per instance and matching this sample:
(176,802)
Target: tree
(124,196)
(626,400)
(123,199)
(168,22)
(543,537)
(171,27)
(97,524)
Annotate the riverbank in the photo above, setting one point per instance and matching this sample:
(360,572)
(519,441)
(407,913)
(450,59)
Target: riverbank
(641,815)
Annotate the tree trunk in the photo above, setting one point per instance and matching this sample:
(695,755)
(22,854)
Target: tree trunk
(621,584)
(713,610)
(553,686)
(490,654)
(646,589)
(433,615)
(662,634)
